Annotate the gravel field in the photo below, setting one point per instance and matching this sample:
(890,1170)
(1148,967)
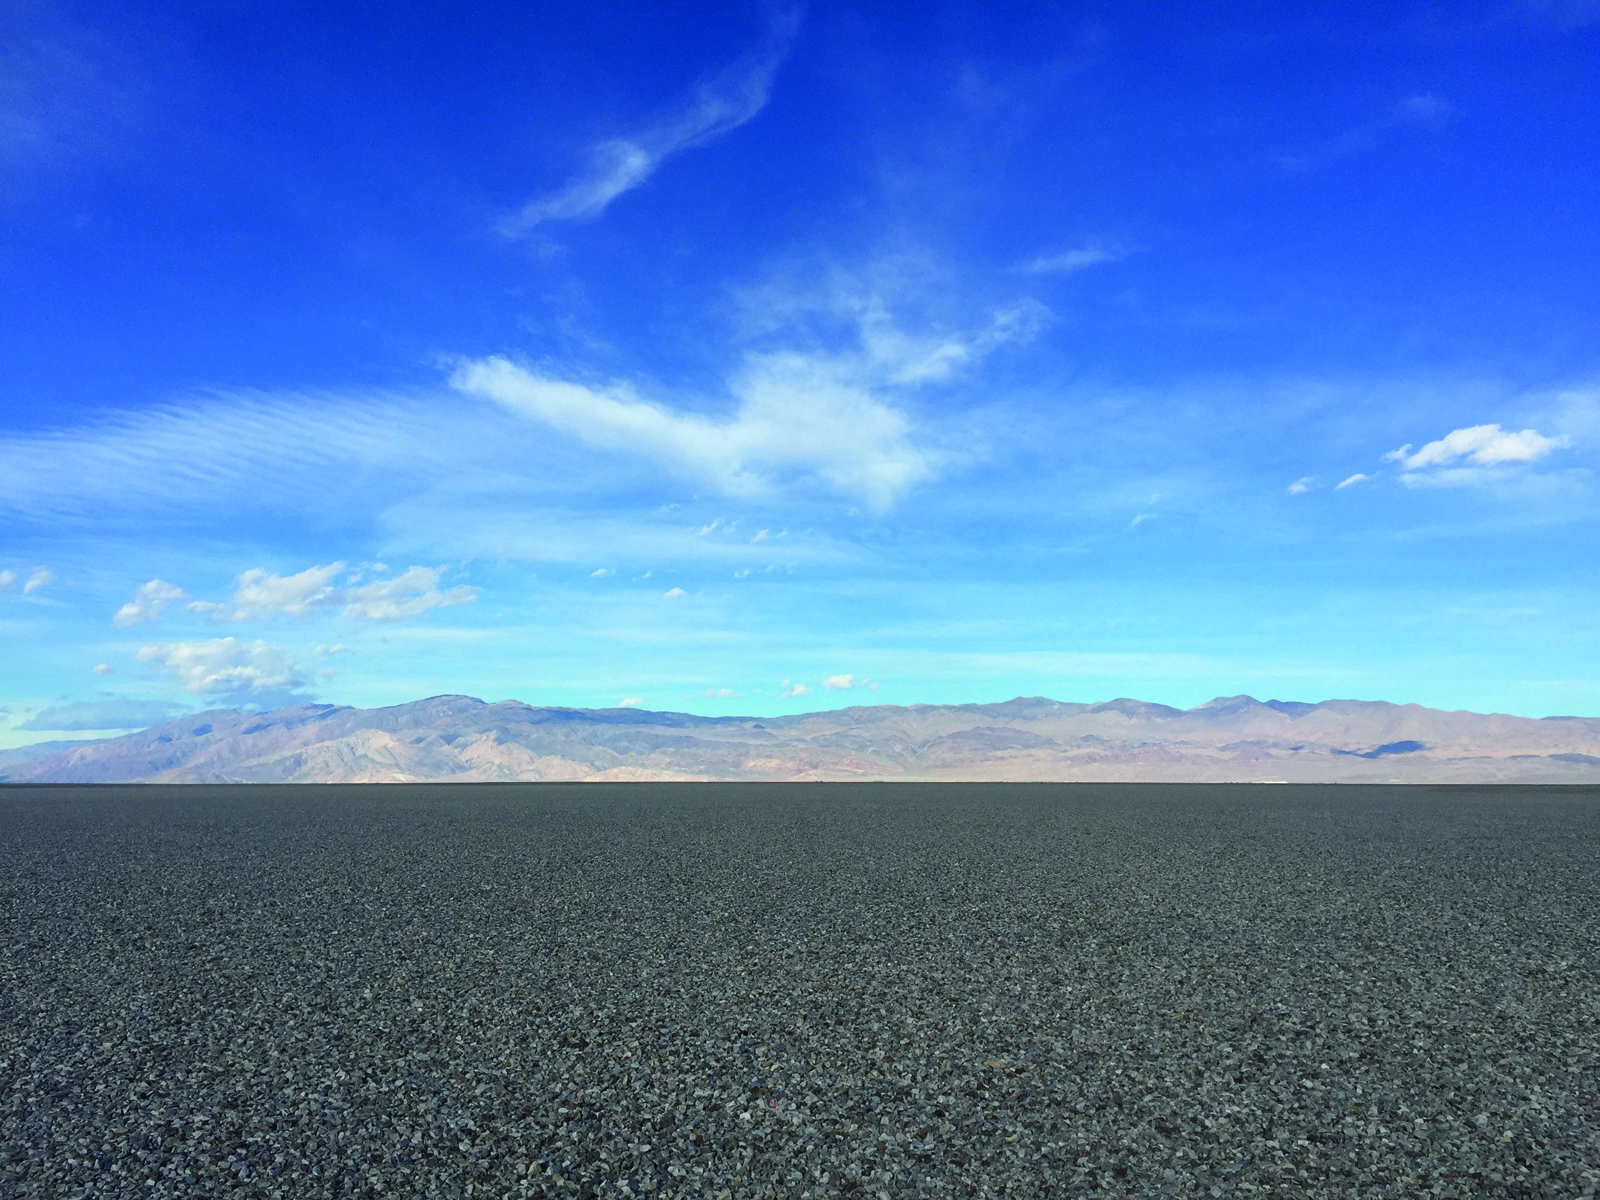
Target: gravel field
(799,990)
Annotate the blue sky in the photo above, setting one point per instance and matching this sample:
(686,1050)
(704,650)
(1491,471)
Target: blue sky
(746,358)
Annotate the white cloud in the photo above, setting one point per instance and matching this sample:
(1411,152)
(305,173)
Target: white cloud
(148,603)
(7,578)
(330,651)
(41,577)
(630,702)
(183,458)
(839,683)
(1351,481)
(817,396)
(601,573)
(1065,262)
(260,595)
(796,416)
(104,669)
(719,693)
(1478,446)
(1302,485)
(761,535)
(791,690)
(674,592)
(415,590)
(225,665)
(619,164)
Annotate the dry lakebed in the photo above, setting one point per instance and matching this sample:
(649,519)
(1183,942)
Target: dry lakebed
(801,990)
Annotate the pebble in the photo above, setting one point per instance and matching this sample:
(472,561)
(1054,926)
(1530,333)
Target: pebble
(730,990)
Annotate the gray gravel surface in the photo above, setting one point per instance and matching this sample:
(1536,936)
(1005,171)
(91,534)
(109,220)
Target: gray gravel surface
(803,990)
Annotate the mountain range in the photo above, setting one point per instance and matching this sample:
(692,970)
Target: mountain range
(459,738)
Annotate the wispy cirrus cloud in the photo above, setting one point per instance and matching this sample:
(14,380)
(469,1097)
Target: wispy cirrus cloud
(1424,109)
(1066,262)
(824,406)
(67,91)
(795,417)
(171,457)
(618,164)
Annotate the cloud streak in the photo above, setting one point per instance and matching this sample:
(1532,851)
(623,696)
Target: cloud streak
(619,164)
(1067,262)
(797,416)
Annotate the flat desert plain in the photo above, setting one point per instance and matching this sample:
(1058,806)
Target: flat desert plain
(865,990)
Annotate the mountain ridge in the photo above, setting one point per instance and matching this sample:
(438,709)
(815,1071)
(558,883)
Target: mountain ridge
(452,737)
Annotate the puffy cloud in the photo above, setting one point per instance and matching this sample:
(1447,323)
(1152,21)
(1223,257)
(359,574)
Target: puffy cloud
(104,669)
(619,164)
(260,595)
(102,714)
(674,592)
(601,573)
(41,577)
(330,651)
(847,683)
(791,690)
(1302,485)
(223,665)
(1351,481)
(148,603)
(1478,446)
(630,702)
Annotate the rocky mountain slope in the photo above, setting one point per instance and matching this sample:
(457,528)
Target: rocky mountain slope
(460,738)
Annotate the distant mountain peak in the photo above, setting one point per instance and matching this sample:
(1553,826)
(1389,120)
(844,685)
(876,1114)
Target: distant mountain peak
(464,739)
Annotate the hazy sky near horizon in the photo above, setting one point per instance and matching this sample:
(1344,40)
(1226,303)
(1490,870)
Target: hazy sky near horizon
(755,358)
